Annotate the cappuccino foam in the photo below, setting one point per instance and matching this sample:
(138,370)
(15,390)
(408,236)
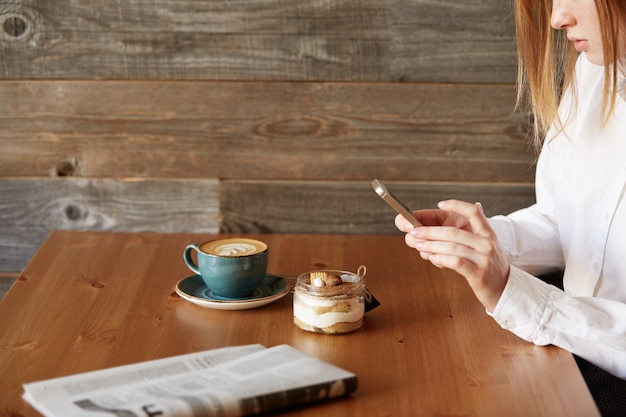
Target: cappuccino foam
(233,247)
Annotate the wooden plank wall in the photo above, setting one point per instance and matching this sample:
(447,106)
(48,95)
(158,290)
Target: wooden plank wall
(263,115)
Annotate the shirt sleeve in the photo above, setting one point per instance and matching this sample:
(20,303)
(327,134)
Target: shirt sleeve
(590,327)
(530,236)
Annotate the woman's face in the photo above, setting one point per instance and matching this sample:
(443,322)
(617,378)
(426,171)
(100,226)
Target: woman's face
(580,19)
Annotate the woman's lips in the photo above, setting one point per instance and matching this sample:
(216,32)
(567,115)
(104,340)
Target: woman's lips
(580,44)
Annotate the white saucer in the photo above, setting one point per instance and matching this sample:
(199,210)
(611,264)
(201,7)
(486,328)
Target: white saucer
(194,290)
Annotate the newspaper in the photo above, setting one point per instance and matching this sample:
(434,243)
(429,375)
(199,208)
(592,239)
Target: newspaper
(227,382)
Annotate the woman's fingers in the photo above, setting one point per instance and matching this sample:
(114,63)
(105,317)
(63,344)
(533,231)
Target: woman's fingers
(472,212)
(448,240)
(431,217)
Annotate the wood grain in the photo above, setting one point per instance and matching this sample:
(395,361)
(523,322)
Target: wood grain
(347,207)
(31,208)
(148,101)
(94,300)
(256,130)
(316,40)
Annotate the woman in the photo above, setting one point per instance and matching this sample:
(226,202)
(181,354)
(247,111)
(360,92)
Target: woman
(579,221)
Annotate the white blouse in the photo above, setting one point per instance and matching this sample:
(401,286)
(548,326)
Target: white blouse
(579,224)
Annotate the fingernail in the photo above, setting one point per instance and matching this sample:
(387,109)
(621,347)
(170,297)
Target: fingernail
(416,232)
(442,204)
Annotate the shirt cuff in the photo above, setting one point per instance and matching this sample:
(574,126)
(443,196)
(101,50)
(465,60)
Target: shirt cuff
(522,308)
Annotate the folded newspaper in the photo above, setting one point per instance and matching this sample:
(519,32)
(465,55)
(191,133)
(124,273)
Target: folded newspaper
(233,381)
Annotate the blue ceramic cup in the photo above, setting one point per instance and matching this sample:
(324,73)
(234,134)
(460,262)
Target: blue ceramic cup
(231,267)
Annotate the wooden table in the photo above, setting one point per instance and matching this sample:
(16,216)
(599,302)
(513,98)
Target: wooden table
(92,300)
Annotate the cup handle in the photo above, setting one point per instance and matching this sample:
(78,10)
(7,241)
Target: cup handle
(188,260)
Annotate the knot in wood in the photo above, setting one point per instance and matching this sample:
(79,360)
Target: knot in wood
(18,23)
(304,127)
(14,26)
(74,213)
(66,169)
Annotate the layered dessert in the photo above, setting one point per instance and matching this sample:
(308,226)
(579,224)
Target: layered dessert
(330,302)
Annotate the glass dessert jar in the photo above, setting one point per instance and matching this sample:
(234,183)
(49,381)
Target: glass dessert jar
(330,301)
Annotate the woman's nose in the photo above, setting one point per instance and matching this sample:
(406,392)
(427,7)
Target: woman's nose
(561,17)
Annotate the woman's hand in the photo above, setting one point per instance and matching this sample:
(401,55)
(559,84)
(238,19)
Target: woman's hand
(458,237)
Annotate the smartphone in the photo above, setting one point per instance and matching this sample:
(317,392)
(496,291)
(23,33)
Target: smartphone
(393,201)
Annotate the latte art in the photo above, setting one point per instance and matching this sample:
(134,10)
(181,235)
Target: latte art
(233,247)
